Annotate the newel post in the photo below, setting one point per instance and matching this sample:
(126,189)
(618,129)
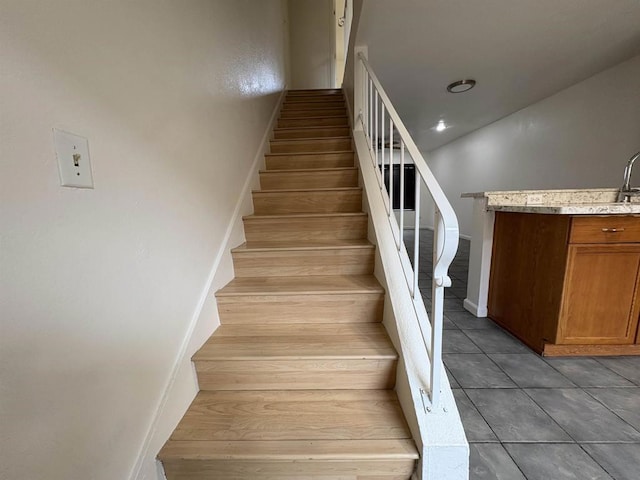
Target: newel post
(359,90)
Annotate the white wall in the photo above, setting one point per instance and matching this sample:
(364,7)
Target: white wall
(340,43)
(579,138)
(312,43)
(98,288)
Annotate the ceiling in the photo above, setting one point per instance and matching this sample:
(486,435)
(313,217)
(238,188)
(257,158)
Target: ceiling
(519,51)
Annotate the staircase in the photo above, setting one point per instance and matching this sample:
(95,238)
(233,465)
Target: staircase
(297,382)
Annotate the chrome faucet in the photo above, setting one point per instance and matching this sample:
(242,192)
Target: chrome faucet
(626,192)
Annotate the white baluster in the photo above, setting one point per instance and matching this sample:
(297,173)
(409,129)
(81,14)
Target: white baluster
(382,186)
(416,237)
(390,167)
(437,302)
(376,146)
(401,234)
(370,115)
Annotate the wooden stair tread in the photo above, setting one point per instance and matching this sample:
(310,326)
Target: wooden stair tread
(314,103)
(310,128)
(321,116)
(327,111)
(314,97)
(321,113)
(304,91)
(298,341)
(257,246)
(307,140)
(303,215)
(298,330)
(309,133)
(308,170)
(313,113)
(290,450)
(325,96)
(308,285)
(293,415)
(307,153)
(310,190)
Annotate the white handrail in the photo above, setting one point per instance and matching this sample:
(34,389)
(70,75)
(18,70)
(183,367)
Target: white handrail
(369,93)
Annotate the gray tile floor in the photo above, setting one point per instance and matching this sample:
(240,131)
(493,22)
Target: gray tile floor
(528,417)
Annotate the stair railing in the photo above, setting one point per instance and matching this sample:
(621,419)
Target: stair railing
(382,128)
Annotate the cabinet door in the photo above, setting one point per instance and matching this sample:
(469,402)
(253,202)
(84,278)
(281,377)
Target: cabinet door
(599,303)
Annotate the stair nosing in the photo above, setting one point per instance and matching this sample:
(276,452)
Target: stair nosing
(320,105)
(244,249)
(319,116)
(246,358)
(309,127)
(342,137)
(310,190)
(340,452)
(257,290)
(320,102)
(302,215)
(276,293)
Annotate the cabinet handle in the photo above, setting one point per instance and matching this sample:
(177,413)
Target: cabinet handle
(613,230)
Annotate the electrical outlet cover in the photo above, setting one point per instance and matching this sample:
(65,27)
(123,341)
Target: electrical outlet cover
(73,159)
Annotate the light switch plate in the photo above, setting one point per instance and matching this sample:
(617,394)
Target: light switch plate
(73,159)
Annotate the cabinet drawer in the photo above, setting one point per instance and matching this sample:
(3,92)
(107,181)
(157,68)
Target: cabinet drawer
(605,229)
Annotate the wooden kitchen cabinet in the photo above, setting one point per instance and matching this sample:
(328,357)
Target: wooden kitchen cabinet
(567,285)
(598,304)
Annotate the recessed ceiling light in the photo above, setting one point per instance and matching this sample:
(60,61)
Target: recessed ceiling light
(461,86)
(441,126)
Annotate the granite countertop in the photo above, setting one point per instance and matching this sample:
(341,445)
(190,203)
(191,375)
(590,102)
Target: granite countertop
(594,201)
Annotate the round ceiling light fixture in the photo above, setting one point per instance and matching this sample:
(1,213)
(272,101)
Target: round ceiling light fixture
(461,86)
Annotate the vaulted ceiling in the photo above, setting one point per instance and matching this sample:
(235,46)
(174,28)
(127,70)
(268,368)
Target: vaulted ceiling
(519,51)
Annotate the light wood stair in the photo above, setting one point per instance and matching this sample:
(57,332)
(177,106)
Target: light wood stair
(297,357)
(314,121)
(316,112)
(297,382)
(308,145)
(338,257)
(309,178)
(319,102)
(311,132)
(288,161)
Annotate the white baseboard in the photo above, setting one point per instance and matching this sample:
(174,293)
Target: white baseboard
(181,358)
(473,308)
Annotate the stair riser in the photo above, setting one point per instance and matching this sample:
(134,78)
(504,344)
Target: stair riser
(351,261)
(314,92)
(314,97)
(316,112)
(322,160)
(307,201)
(306,146)
(312,122)
(369,469)
(348,308)
(296,374)
(301,229)
(319,179)
(312,132)
(289,106)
